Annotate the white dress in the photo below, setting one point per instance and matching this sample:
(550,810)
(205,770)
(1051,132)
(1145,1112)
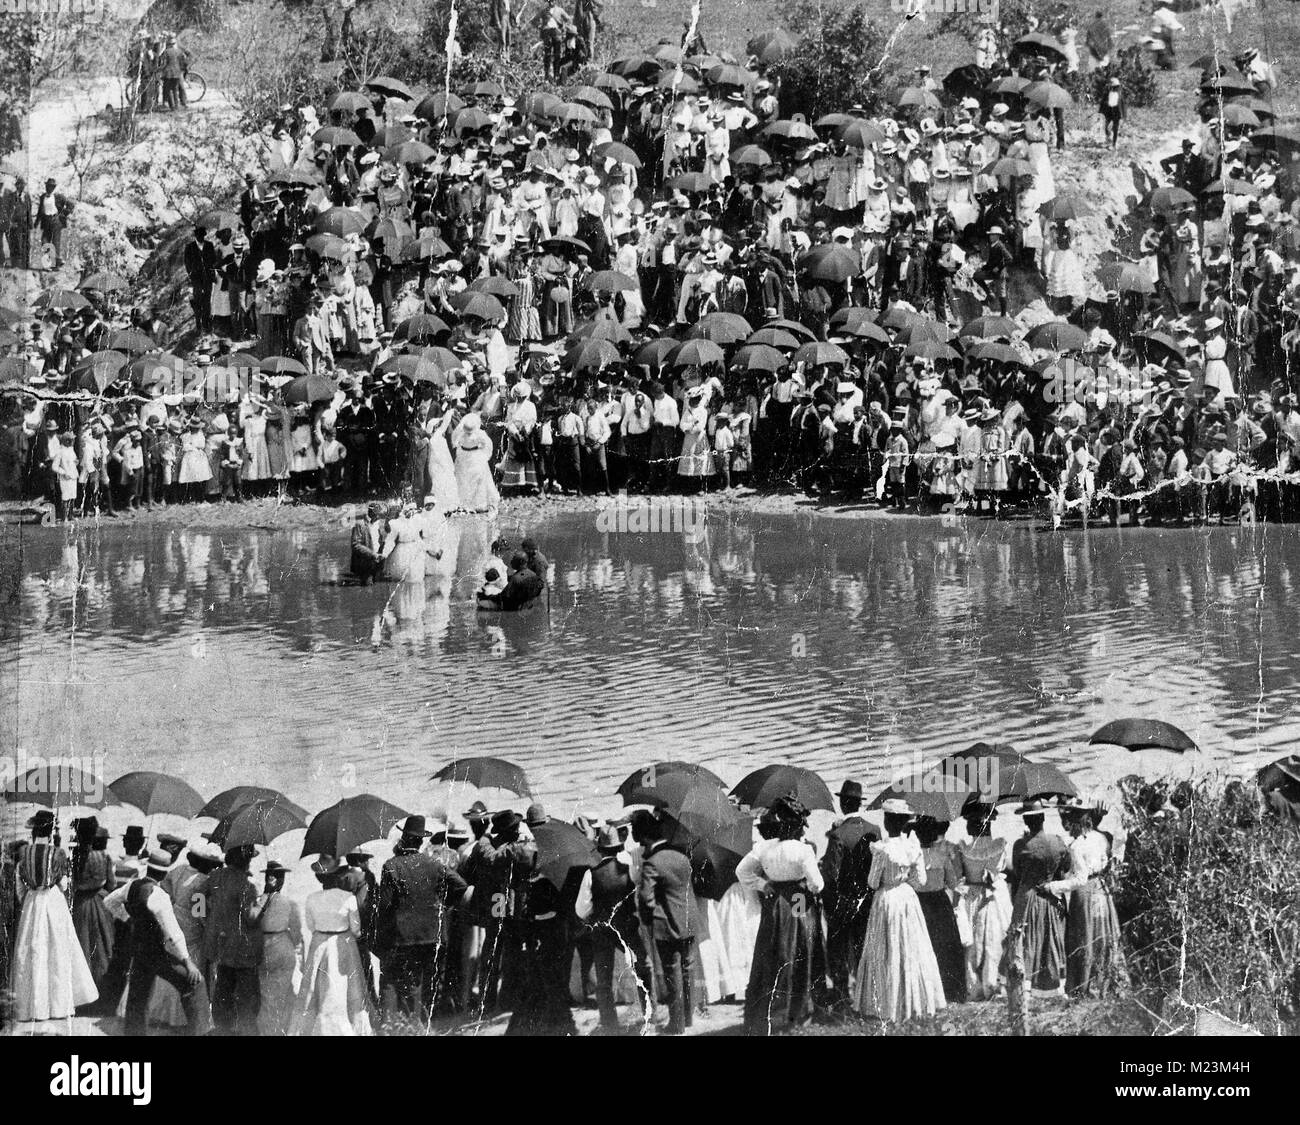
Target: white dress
(257,466)
(478,491)
(195,466)
(332,1000)
(733,922)
(405,563)
(898,974)
(442,469)
(988,912)
(49,976)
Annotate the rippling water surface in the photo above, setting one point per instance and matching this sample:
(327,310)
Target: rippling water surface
(230,657)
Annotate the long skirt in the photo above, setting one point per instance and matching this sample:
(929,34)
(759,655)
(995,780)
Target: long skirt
(739,914)
(945,940)
(988,909)
(275,978)
(332,1000)
(789,961)
(94,926)
(518,467)
(48,976)
(898,975)
(1094,963)
(1044,941)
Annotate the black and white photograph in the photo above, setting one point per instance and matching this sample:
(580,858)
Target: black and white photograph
(642,519)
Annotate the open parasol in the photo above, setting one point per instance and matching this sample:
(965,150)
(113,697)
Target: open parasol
(258,822)
(486,773)
(765,785)
(1142,734)
(153,793)
(349,823)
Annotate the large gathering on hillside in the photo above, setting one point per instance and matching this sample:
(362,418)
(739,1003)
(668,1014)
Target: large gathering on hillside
(662,281)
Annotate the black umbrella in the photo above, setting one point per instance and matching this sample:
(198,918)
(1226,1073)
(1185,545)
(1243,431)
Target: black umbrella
(154,793)
(1157,341)
(226,802)
(662,783)
(561,848)
(57,785)
(353,821)
(764,786)
(943,802)
(487,773)
(714,858)
(966,81)
(1142,734)
(258,822)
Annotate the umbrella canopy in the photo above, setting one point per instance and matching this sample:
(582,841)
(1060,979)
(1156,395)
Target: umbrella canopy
(1012,84)
(484,306)
(619,153)
(150,370)
(1036,43)
(564,244)
(412,366)
(353,821)
(218,221)
(751,156)
(764,786)
(758,357)
(609,281)
(105,282)
(860,134)
(919,98)
(591,355)
(722,328)
(339,221)
(1165,199)
(697,353)
(409,152)
(637,64)
(130,341)
(611,82)
(820,353)
(1013,166)
(390,87)
(282,365)
(437,106)
(664,783)
(1049,95)
(792,129)
(773,37)
(227,801)
(328,246)
(258,822)
(421,327)
(349,101)
(941,801)
(471,119)
(1058,336)
(1125,277)
(834,262)
(103,367)
(56,786)
(609,330)
(987,327)
(335,136)
(775,338)
(590,96)
(154,793)
(487,88)
(571,113)
(1065,206)
(1278,136)
(240,361)
(993,352)
(692,183)
(392,135)
(866,330)
(562,849)
(66,299)
(1149,343)
(728,74)
(500,287)
(655,353)
(793,327)
(486,773)
(931,349)
(1233,114)
(1143,734)
(309,389)
(427,246)
(923,328)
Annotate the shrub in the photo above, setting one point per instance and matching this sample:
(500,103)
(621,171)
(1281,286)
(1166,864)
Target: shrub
(834,64)
(1210,904)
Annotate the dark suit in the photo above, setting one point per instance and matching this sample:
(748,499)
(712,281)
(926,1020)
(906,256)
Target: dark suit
(200,268)
(366,562)
(666,899)
(846,897)
(416,892)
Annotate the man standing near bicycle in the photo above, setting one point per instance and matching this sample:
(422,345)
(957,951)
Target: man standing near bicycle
(174,64)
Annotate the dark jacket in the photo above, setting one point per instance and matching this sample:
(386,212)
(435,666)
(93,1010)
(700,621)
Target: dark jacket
(415,893)
(846,864)
(666,897)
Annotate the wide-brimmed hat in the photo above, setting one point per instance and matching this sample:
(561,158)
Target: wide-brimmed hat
(414,826)
(327,865)
(505,819)
(1033,807)
(159,860)
(851,789)
(536,815)
(896,806)
(477,811)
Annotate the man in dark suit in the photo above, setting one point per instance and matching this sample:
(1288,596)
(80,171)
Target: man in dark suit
(666,900)
(846,897)
(200,268)
(416,891)
(366,561)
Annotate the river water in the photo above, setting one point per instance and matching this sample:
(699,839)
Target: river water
(235,657)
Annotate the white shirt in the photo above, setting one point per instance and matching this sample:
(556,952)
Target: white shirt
(780,861)
(159,904)
(665,411)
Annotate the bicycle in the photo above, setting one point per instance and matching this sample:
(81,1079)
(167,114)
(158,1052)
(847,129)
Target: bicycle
(196,86)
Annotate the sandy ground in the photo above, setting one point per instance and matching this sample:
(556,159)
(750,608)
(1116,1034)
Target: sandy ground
(1049,1015)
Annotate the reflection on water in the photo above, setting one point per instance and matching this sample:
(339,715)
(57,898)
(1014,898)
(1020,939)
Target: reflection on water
(236,656)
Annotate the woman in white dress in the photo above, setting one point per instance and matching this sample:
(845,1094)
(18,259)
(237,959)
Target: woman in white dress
(48,977)
(696,459)
(478,491)
(986,899)
(196,469)
(442,469)
(281,924)
(305,441)
(257,465)
(405,549)
(332,999)
(898,975)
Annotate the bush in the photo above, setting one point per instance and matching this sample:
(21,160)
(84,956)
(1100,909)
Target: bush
(834,64)
(1210,904)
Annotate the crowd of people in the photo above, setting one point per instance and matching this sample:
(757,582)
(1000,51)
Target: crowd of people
(665,284)
(487,912)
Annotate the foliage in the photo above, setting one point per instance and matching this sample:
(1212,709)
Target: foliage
(1210,902)
(836,62)
(17,43)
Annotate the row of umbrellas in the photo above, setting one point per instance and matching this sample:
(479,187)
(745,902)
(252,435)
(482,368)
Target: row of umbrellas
(691,800)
